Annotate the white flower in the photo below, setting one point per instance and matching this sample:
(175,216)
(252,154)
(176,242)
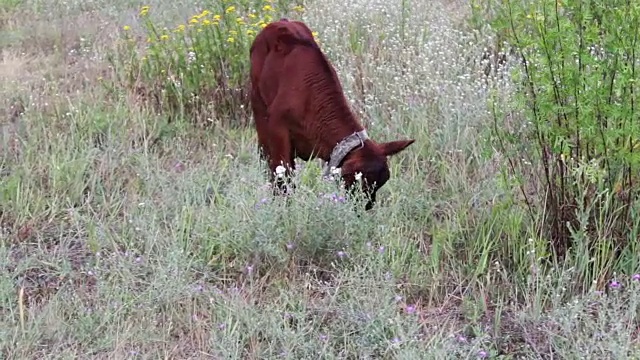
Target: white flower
(280,171)
(358,176)
(336,171)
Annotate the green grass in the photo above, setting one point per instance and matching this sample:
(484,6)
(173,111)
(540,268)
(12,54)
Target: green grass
(129,232)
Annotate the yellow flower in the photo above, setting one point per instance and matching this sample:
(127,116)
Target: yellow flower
(233,32)
(267,8)
(230,40)
(298,8)
(230,9)
(252,16)
(215,23)
(144,10)
(314,34)
(240,21)
(180,28)
(164,37)
(216,17)
(206,22)
(205,13)
(193,21)
(126,28)
(250,32)
(263,25)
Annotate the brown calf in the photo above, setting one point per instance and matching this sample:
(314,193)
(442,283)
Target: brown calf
(300,110)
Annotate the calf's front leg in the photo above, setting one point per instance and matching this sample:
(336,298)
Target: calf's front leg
(281,162)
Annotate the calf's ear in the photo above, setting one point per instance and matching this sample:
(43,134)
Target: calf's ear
(394,147)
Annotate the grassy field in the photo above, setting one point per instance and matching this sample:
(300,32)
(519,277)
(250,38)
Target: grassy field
(127,232)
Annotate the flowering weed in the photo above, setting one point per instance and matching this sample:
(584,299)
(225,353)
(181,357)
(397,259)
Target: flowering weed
(199,69)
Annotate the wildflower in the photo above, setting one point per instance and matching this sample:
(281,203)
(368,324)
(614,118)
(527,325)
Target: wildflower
(263,25)
(267,8)
(358,176)
(233,32)
(482,354)
(126,28)
(206,22)
(298,8)
(290,246)
(230,9)
(614,284)
(240,21)
(249,269)
(314,34)
(381,249)
(252,16)
(341,254)
(410,309)
(205,13)
(636,277)
(144,10)
(180,28)
(216,17)
(164,37)
(280,170)
(250,32)
(193,21)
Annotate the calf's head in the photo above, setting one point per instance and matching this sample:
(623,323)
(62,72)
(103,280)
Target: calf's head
(368,167)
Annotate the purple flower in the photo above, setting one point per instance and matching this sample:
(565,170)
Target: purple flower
(262,202)
(290,246)
(323,337)
(222,326)
(341,254)
(398,298)
(636,277)
(396,340)
(462,339)
(482,354)
(614,284)
(249,269)
(410,309)
(381,249)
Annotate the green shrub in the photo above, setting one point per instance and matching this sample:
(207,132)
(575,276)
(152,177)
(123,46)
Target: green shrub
(200,69)
(578,99)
